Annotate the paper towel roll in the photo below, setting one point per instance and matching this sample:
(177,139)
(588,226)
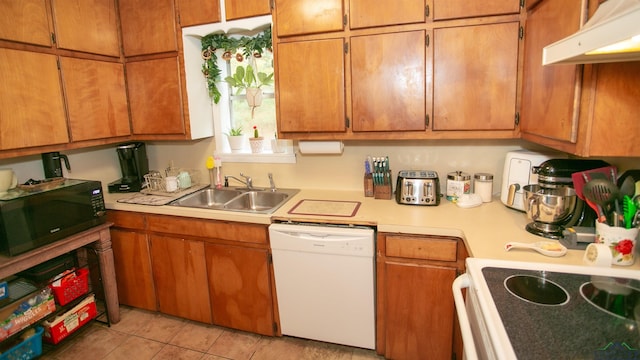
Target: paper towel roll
(320,147)
(598,254)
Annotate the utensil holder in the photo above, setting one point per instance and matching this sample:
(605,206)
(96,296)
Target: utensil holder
(382,191)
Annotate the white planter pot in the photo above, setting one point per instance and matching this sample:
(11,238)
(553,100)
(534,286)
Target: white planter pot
(236,142)
(256,144)
(254,97)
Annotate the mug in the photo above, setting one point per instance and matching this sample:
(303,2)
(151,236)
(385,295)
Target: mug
(8,180)
(171,183)
(184,180)
(621,241)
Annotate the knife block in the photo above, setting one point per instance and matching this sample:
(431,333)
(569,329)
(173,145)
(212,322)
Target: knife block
(382,191)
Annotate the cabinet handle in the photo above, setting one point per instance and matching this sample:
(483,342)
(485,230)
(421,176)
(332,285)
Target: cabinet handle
(426,11)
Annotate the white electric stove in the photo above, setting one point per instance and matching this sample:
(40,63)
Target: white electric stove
(522,310)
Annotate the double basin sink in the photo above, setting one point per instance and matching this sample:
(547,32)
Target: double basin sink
(254,200)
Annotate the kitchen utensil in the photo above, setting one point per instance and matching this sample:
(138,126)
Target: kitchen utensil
(547,248)
(602,192)
(628,186)
(629,209)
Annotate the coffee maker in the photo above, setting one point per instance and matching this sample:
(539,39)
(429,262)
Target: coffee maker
(553,204)
(134,165)
(52,164)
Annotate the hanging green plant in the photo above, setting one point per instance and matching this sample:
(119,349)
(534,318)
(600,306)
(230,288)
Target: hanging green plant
(249,46)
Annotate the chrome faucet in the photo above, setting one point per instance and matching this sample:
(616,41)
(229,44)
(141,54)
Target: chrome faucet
(248,182)
(272,184)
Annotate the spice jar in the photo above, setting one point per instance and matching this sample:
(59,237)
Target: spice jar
(483,186)
(458,183)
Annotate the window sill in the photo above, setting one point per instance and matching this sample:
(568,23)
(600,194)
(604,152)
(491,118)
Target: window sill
(265,157)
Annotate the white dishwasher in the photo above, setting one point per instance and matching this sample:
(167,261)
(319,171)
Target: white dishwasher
(325,279)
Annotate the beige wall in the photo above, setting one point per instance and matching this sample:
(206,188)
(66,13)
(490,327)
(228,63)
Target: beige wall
(310,171)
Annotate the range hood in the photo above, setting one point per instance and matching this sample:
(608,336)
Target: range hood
(612,34)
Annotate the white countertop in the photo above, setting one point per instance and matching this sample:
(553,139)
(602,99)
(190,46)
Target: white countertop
(485,229)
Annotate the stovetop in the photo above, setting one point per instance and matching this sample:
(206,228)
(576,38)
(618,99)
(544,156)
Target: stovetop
(575,330)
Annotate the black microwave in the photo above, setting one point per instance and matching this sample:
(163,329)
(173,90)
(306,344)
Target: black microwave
(29,220)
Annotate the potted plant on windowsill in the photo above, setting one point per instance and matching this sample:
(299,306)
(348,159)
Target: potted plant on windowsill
(236,139)
(256,141)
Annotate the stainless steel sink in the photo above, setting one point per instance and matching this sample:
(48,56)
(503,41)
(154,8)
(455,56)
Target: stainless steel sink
(260,201)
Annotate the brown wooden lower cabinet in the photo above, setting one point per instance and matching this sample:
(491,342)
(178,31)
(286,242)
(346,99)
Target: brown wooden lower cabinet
(415,309)
(240,288)
(205,270)
(180,275)
(133,269)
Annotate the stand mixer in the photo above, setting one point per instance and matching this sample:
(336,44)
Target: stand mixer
(552,204)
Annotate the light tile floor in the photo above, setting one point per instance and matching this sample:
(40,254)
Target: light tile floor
(143,335)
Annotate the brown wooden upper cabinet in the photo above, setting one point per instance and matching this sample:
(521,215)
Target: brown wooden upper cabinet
(31,106)
(239,9)
(549,89)
(198,12)
(454,9)
(586,110)
(299,17)
(475,71)
(394,62)
(89,26)
(321,106)
(386,12)
(148,28)
(155,97)
(25,21)
(96,98)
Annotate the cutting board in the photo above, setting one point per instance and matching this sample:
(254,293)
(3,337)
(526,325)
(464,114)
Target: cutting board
(326,208)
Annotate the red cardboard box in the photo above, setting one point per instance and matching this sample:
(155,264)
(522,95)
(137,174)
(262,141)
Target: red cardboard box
(57,329)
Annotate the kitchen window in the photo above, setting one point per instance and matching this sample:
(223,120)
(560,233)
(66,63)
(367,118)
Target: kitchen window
(231,110)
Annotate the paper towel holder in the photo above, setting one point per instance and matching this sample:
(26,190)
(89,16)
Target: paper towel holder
(335,147)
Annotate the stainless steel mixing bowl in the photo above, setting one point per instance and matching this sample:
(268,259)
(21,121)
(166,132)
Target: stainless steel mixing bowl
(550,206)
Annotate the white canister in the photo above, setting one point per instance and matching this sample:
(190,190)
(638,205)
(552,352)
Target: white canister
(458,183)
(483,186)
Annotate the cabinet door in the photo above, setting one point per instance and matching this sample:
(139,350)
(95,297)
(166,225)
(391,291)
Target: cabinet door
(240,288)
(549,91)
(25,21)
(417,320)
(148,28)
(311,86)
(96,98)
(89,26)
(386,12)
(132,261)
(451,9)
(475,77)
(615,128)
(31,106)
(155,96)
(197,12)
(396,63)
(180,274)
(238,9)
(297,17)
